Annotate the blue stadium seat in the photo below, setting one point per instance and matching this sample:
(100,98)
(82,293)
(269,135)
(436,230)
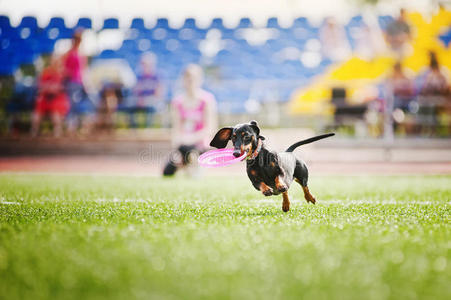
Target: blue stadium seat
(6,30)
(227,34)
(9,33)
(138,23)
(29,22)
(45,45)
(245,23)
(276,44)
(272,23)
(4,22)
(7,68)
(129,46)
(189,30)
(110,23)
(7,45)
(7,62)
(302,30)
(109,54)
(186,34)
(25,51)
(190,23)
(56,29)
(84,23)
(162,23)
(301,22)
(217,23)
(162,30)
(56,22)
(26,57)
(190,45)
(159,34)
(131,57)
(134,34)
(172,33)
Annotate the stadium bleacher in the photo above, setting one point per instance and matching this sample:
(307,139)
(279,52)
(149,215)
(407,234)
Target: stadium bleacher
(236,59)
(29,40)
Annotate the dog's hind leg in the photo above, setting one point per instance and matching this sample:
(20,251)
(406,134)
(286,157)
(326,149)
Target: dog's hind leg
(307,195)
(285,202)
(301,177)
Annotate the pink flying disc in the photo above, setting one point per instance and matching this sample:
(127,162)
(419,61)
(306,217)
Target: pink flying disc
(219,158)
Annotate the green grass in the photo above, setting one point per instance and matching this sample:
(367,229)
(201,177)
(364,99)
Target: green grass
(74,237)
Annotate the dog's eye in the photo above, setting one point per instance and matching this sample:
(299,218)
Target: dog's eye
(247,139)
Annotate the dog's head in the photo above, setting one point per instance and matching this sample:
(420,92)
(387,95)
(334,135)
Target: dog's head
(245,138)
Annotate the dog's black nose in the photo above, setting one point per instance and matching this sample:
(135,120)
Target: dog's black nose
(237,153)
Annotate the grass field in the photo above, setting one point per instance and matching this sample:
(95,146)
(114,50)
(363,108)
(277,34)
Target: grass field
(75,237)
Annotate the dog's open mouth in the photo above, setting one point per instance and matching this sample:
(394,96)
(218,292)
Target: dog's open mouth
(248,152)
(247,155)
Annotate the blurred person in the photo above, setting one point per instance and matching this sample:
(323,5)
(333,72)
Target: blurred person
(436,81)
(403,90)
(21,100)
(194,120)
(334,42)
(147,92)
(52,99)
(436,96)
(402,87)
(81,109)
(111,96)
(109,81)
(398,34)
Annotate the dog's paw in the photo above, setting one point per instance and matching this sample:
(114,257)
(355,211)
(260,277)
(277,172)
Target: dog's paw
(281,188)
(267,192)
(310,199)
(286,206)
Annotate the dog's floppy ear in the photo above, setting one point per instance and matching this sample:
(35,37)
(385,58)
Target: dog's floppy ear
(222,137)
(255,127)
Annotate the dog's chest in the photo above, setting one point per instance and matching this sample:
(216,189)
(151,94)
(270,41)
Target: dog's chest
(266,173)
(271,166)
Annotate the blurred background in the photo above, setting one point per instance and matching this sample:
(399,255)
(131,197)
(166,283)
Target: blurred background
(87,85)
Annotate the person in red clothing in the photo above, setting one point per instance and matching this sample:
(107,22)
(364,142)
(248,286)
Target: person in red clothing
(52,99)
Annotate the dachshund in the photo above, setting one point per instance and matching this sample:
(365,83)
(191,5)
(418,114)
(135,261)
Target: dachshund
(270,172)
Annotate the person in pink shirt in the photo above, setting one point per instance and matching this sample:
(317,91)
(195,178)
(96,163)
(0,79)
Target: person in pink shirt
(81,107)
(194,120)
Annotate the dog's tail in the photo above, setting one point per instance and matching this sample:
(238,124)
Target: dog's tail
(308,141)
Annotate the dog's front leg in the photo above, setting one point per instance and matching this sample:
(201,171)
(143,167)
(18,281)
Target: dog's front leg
(281,186)
(266,190)
(285,202)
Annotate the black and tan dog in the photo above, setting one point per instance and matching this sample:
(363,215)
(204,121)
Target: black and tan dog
(270,172)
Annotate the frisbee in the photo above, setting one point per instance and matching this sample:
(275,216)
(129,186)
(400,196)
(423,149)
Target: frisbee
(219,158)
